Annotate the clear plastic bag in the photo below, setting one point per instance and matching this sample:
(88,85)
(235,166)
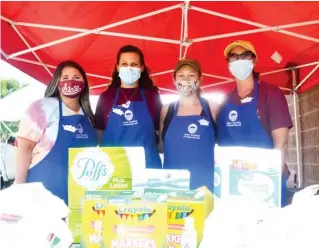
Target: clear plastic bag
(31,217)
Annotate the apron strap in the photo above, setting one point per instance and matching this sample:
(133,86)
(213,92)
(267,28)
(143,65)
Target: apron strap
(142,94)
(204,107)
(116,97)
(60,108)
(256,87)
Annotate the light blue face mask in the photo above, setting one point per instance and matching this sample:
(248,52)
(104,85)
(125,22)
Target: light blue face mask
(129,75)
(241,69)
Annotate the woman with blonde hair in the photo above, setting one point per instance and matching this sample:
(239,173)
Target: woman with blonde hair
(52,125)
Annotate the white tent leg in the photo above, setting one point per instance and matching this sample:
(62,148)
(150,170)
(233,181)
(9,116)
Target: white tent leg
(297,132)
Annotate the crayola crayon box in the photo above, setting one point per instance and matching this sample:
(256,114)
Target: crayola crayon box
(181,204)
(132,222)
(248,173)
(101,168)
(93,214)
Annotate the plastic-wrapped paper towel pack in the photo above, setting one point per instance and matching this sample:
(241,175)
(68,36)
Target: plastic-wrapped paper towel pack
(248,224)
(31,217)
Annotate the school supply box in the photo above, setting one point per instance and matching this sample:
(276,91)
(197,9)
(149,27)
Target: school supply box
(182,204)
(135,222)
(102,168)
(93,214)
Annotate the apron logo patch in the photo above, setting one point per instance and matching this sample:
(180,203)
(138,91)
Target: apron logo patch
(80,128)
(92,169)
(203,122)
(192,129)
(117,111)
(128,115)
(80,134)
(233,116)
(69,128)
(246,100)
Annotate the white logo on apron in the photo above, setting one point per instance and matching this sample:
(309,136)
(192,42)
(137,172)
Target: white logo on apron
(92,169)
(192,129)
(128,115)
(80,134)
(233,116)
(69,128)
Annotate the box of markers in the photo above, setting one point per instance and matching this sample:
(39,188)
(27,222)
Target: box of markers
(93,214)
(181,204)
(135,222)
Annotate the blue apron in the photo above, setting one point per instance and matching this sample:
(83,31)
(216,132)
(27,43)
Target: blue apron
(239,125)
(132,126)
(52,170)
(189,145)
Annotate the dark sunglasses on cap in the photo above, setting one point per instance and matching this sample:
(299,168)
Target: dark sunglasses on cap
(243,56)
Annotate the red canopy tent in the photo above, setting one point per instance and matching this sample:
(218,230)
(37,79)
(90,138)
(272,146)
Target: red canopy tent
(36,36)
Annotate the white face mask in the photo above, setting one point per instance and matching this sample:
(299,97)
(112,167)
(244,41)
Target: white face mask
(129,75)
(241,69)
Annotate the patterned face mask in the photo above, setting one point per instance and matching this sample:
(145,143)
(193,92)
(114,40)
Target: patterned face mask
(187,87)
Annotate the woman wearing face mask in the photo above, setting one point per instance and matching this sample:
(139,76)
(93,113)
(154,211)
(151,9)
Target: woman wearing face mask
(187,127)
(52,125)
(127,113)
(259,109)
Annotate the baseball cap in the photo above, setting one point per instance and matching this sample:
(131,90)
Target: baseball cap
(243,43)
(190,62)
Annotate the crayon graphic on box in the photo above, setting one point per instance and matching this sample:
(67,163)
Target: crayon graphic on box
(144,223)
(181,204)
(93,215)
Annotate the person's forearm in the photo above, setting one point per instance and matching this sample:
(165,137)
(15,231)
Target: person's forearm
(23,165)
(100,133)
(283,148)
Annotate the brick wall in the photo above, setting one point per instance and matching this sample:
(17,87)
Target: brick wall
(309,128)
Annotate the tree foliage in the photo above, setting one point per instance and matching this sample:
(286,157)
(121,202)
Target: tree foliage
(8,86)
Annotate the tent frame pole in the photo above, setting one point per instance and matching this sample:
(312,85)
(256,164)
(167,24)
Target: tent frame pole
(33,52)
(256,24)
(296,108)
(306,77)
(95,31)
(260,30)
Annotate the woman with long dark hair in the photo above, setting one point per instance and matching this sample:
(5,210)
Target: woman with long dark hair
(127,113)
(52,125)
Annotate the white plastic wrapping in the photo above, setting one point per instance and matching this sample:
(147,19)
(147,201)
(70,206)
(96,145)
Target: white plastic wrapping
(31,217)
(247,224)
